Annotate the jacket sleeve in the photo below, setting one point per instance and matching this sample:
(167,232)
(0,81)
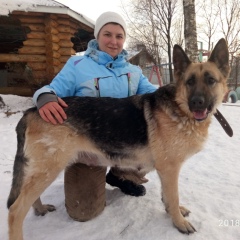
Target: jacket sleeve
(145,86)
(63,85)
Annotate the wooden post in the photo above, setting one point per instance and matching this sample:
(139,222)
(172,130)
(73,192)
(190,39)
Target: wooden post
(51,36)
(65,34)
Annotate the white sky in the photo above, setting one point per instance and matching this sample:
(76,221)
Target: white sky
(93,8)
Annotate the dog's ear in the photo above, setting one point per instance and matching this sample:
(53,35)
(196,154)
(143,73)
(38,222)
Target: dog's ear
(180,61)
(220,56)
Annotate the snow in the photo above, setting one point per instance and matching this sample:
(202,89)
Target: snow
(7,7)
(26,5)
(209,186)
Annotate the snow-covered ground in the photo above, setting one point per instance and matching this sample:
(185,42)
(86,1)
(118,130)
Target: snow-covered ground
(209,186)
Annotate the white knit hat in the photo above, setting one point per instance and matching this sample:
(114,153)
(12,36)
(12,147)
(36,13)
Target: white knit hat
(109,17)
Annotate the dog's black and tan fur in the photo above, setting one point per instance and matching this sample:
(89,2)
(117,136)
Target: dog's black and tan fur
(151,131)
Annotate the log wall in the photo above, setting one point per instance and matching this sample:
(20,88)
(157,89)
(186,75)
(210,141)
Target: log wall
(48,45)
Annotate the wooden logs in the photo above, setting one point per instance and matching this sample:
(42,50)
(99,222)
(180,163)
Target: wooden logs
(21,91)
(35,42)
(51,37)
(64,21)
(65,43)
(63,29)
(65,36)
(66,29)
(37,65)
(51,30)
(30,19)
(50,22)
(62,65)
(22,58)
(35,27)
(39,74)
(63,59)
(66,51)
(37,35)
(54,46)
(48,46)
(56,54)
(32,50)
(56,62)
(56,69)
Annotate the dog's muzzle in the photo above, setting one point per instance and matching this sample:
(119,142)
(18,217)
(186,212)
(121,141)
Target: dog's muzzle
(199,108)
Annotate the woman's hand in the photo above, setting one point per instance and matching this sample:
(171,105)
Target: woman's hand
(53,112)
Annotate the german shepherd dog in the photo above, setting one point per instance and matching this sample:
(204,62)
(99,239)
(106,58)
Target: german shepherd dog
(158,130)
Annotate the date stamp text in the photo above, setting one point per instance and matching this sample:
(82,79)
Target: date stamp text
(229,223)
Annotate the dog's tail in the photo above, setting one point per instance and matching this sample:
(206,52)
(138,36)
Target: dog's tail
(19,163)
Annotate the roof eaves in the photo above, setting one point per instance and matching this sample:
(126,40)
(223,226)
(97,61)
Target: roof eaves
(65,10)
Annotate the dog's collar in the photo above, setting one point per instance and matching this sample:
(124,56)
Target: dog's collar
(225,125)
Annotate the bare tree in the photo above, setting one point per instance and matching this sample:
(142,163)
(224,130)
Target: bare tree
(229,14)
(141,27)
(177,30)
(157,24)
(220,18)
(190,32)
(150,23)
(163,13)
(207,25)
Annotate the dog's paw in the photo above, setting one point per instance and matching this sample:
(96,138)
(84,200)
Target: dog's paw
(184,211)
(44,209)
(184,226)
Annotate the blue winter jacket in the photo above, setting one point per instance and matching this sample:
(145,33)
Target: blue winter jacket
(97,74)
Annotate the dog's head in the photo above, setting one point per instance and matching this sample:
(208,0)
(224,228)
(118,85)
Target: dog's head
(201,86)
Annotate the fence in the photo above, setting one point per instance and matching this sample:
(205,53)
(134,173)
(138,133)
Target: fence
(233,81)
(164,72)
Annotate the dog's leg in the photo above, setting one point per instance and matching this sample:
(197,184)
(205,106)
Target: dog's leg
(184,211)
(32,188)
(169,180)
(41,209)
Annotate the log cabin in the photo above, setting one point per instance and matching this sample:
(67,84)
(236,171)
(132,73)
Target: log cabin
(37,37)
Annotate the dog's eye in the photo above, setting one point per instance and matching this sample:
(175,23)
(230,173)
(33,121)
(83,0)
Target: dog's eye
(190,81)
(211,81)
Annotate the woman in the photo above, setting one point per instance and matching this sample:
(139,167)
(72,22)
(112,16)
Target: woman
(103,71)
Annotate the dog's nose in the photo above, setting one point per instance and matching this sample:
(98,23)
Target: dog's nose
(197,101)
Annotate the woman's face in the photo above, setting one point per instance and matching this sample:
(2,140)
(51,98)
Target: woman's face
(111,38)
